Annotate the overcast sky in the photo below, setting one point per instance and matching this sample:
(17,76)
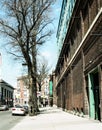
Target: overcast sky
(11,69)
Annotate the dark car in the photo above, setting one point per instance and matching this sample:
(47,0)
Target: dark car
(26,108)
(4,107)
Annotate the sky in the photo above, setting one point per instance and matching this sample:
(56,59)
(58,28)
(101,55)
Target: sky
(10,69)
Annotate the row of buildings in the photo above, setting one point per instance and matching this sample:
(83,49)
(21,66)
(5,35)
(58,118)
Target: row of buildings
(77,79)
(21,93)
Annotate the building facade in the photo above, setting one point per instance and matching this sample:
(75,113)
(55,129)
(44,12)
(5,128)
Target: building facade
(22,91)
(6,93)
(52,90)
(78,73)
(44,93)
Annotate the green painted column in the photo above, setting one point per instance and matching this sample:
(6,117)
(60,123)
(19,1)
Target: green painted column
(51,88)
(91,97)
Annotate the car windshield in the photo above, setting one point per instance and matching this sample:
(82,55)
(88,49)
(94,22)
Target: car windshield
(25,106)
(18,106)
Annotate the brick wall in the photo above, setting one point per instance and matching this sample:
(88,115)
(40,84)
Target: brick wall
(77,78)
(93,51)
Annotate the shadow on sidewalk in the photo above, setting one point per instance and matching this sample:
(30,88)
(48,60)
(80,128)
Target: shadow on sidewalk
(49,110)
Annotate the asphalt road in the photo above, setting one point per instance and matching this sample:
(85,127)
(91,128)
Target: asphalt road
(7,121)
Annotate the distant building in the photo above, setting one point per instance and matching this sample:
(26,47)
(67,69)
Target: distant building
(52,90)
(22,91)
(45,90)
(6,93)
(16,96)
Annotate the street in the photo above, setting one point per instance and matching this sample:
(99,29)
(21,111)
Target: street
(7,121)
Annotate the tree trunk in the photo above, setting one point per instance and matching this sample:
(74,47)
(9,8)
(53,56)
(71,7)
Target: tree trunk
(33,106)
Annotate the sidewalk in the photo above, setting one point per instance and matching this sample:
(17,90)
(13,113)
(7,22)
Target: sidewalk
(56,119)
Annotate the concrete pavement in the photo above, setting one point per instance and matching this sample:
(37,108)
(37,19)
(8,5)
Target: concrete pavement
(56,119)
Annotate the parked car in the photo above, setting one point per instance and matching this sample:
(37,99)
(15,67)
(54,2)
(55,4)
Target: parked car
(18,110)
(26,108)
(4,107)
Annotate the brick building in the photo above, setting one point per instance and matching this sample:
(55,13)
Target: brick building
(78,73)
(22,91)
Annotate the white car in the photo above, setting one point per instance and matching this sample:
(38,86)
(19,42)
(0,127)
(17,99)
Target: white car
(18,110)
(4,107)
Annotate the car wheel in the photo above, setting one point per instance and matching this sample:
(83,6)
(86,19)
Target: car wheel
(24,114)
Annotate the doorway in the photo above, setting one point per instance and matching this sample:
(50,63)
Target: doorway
(94,95)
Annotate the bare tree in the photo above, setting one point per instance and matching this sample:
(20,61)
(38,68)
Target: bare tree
(25,27)
(42,72)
